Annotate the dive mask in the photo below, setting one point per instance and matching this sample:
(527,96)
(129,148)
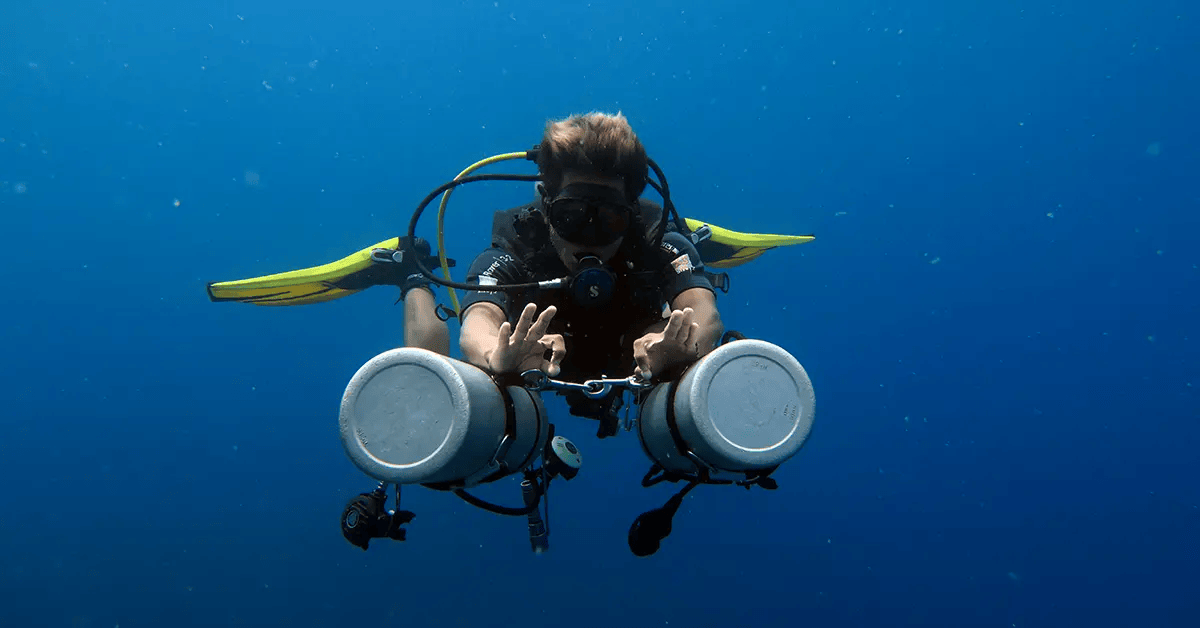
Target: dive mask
(589,214)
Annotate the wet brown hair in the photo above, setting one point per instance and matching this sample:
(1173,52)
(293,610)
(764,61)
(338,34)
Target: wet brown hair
(595,143)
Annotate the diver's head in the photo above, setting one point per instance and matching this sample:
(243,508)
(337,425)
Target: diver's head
(593,170)
(599,144)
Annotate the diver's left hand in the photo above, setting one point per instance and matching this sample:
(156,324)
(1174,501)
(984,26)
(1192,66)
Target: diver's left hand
(676,343)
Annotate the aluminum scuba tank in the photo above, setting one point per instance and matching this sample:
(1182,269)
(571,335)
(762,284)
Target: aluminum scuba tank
(413,416)
(747,405)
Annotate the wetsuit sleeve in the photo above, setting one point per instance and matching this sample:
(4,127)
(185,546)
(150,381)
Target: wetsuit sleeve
(491,267)
(683,266)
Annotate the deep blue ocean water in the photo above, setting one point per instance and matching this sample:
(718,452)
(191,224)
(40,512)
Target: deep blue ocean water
(998,314)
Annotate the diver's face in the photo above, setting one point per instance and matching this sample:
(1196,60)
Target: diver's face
(569,252)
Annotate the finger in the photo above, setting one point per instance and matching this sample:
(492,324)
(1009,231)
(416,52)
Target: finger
(643,374)
(691,337)
(685,324)
(542,323)
(557,348)
(556,343)
(524,322)
(643,369)
(673,325)
(501,350)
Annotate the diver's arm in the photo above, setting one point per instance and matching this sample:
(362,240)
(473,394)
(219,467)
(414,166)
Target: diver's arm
(480,330)
(484,312)
(692,290)
(422,327)
(704,313)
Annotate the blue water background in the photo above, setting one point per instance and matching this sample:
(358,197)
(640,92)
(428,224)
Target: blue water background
(998,313)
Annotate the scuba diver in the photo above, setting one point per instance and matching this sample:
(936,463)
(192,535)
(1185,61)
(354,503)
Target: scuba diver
(589,291)
(634,304)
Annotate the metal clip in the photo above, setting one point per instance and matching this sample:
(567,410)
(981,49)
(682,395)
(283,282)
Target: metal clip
(603,385)
(536,380)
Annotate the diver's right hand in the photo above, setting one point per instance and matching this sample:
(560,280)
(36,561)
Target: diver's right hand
(525,347)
